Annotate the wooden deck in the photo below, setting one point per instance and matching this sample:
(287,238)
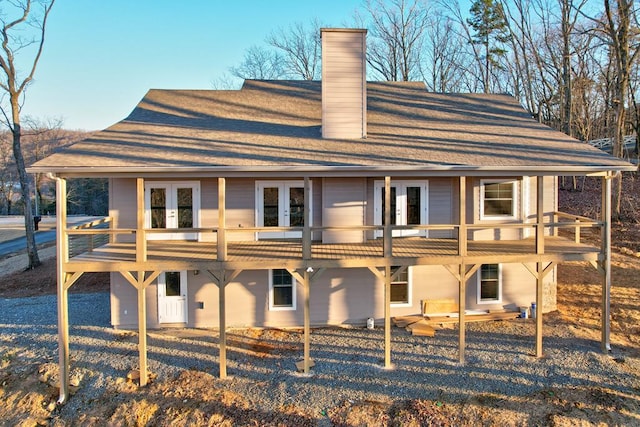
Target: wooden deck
(264,254)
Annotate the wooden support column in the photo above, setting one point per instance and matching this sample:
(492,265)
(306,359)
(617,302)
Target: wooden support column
(306,233)
(141,283)
(387,315)
(462,297)
(142,329)
(222,315)
(387,232)
(221,278)
(606,264)
(62,249)
(539,266)
(141,239)
(462,279)
(307,319)
(462,217)
(221,238)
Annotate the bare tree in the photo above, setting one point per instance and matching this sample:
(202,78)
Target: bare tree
(15,23)
(619,29)
(260,63)
(301,48)
(397,30)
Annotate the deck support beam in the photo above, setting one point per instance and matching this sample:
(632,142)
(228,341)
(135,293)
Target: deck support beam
(462,279)
(222,278)
(539,266)
(141,283)
(606,263)
(306,278)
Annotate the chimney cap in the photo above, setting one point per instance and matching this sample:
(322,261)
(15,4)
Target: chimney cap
(342,30)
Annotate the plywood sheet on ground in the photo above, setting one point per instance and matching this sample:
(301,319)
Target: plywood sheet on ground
(446,305)
(404,321)
(508,315)
(421,328)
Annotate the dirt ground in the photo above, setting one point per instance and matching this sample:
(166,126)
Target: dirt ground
(27,394)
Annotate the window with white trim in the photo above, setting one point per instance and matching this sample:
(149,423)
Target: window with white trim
(401,288)
(490,284)
(498,199)
(282,292)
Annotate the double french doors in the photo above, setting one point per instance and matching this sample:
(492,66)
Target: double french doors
(172,205)
(409,206)
(280,204)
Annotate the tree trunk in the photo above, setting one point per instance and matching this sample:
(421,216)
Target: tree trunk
(32,249)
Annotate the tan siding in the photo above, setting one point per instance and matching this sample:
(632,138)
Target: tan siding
(208,207)
(343,206)
(441,206)
(123,206)
(241,200)
(343,84)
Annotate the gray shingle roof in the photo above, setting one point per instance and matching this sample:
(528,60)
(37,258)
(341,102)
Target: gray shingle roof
(270,125)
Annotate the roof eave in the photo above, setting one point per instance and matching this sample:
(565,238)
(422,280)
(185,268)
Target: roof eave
(337,171)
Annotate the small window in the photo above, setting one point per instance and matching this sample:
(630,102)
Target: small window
(282,293)
(400,288)
(498,199)
(490,284)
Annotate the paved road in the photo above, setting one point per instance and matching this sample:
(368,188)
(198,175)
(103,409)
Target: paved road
(16,245)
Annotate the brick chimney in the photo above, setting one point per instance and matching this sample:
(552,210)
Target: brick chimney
(344,83)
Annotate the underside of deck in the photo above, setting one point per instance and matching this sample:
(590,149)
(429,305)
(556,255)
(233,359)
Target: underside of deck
(266,254)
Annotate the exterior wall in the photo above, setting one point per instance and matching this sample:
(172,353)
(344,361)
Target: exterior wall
(123,206)
(442,206)
(344,296)
(344,204)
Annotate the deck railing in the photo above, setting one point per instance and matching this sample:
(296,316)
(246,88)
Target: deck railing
(87,236)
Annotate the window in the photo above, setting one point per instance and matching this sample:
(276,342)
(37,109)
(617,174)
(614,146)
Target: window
(409,206)
(400,288)
(490,284)
(280,204)
(498,199)
(282,292)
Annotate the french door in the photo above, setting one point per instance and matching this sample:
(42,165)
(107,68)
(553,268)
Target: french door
(170,205)
(409,206)
(172,297)
(280,204)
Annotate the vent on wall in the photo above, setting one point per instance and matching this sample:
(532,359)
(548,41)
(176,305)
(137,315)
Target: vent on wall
(344,90)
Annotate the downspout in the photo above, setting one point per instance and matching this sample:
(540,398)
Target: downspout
(62,291)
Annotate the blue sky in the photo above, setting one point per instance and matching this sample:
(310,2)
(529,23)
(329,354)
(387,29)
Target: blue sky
(101,56)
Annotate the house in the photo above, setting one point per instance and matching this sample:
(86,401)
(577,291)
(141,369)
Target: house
(297,203)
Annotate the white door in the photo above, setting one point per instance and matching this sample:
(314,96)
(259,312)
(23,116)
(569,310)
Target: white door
(172,205)
(280,204)
(172,297)
(409,206)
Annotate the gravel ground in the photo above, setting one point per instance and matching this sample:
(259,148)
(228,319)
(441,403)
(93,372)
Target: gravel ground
(348,361)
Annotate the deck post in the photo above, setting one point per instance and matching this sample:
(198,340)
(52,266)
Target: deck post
(307,321)
(221,238)
(387,232)
(62,257)
(462,218)
(142,328)
(539,302)
(141,243)
(387,315)
(222,282)
(306,233)
(462,294)
(606,263)
(539,266)
(462,276)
